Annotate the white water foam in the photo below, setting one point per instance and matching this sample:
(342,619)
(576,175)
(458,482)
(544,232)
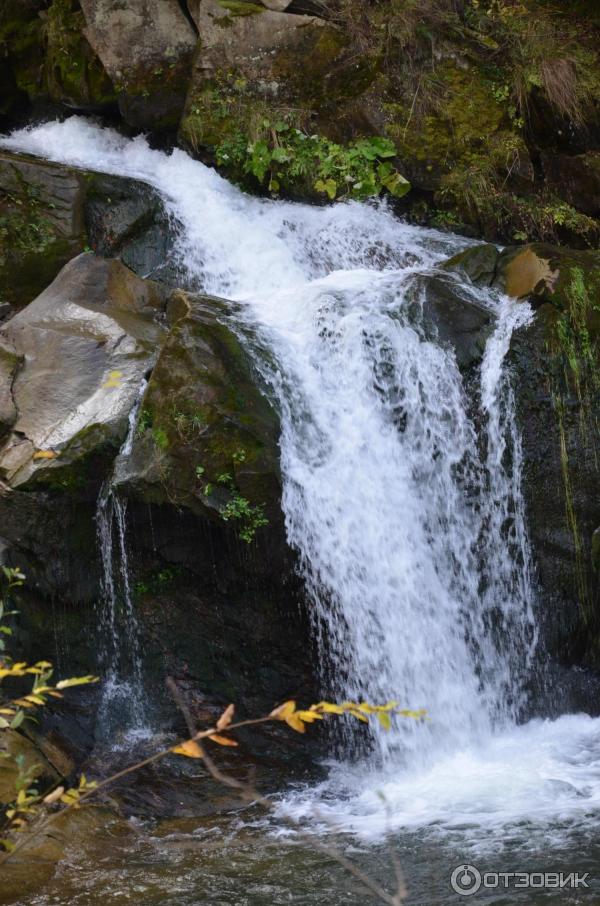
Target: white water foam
(408,518)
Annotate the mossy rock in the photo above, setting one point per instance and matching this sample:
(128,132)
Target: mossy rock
(557,367)
(203,417)
(73,73)
(22,49)
(41,224)
(50,212)
(267,67)
(146,49)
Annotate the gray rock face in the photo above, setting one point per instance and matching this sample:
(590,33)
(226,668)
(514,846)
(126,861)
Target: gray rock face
(454,319)
(203,416)
(51,212)
(146,48)
(85,344)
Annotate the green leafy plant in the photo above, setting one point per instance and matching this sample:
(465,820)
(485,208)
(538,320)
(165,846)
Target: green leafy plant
(285,157)
(238,509)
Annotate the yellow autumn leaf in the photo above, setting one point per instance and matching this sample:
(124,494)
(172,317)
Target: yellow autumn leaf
(308,716)
(44,454)
(293,721)
(384,719)
(189,748)
(417,715)
(327,708)
(54,796)
(222,740)
(283,711)
(226,717)
(354,713)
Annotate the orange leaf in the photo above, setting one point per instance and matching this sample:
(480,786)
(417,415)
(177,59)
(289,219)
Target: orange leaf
(44,454)
(223,740)
(189,748)
(226,717)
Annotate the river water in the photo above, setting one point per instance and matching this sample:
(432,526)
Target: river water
(402,494)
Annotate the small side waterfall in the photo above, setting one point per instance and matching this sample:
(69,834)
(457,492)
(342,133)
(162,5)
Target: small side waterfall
(122,708)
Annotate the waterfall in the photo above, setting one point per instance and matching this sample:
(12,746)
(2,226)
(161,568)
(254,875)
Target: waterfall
(122,707)
(411,537)
(407,531)
(401,491)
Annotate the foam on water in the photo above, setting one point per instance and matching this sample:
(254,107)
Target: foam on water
(402,492)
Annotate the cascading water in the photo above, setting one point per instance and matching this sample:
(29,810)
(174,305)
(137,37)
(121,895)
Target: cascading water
(401,492)
(122,710)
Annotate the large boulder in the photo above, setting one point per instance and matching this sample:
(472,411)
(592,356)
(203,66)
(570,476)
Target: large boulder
(146,47)
(203,498)
(202,417)
(85,345)
(50,212)
(576,178)
(72,366)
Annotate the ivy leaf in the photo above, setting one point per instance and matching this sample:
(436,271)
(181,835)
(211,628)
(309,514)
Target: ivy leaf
(283,711)
(76,681)
(17,720)
(54,796)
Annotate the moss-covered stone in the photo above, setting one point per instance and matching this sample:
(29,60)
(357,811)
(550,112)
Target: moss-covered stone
(206,435)
(74,74)
(41,225)
(21,52)
(146,48)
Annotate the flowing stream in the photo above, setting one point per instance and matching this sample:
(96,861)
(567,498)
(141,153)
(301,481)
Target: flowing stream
(402,494)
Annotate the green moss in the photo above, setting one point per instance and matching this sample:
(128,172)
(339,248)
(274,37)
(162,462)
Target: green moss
(31,250)
(73,71)
(22,44)
(241,8)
